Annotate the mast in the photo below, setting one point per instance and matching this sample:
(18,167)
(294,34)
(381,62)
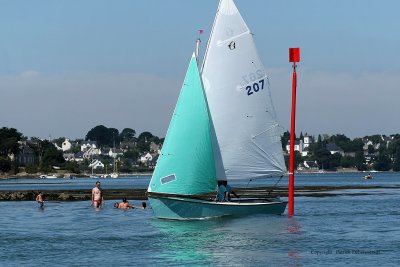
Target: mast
(196,51)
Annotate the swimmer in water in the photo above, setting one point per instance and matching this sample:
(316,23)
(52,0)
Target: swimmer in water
(125,205)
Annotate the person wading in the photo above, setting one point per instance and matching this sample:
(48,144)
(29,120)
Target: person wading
(97,196)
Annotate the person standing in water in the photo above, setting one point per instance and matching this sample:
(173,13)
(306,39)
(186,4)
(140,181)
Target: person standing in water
(40,200)
(97,196)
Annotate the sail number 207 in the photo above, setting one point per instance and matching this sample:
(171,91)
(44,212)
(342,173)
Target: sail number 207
(255,87)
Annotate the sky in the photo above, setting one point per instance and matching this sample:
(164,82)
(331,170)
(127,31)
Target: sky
(67,66)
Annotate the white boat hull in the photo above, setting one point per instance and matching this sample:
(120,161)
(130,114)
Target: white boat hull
(48,177)
(114,175)
(186,208)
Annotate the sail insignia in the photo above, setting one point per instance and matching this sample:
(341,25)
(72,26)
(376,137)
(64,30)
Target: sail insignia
(168,179)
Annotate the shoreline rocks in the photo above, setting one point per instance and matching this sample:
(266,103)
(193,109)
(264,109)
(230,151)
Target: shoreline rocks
(140,194)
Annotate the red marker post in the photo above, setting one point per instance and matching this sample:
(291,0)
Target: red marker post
(294,56)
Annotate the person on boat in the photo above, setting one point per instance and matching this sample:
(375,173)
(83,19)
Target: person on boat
(97,196)
(221,192)
(40,199)
(229,191)
(126,205)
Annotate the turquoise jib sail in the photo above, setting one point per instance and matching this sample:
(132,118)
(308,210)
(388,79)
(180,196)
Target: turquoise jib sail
(186,164)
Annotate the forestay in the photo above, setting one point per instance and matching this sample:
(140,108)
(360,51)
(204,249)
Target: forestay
(186,163)
(239,100)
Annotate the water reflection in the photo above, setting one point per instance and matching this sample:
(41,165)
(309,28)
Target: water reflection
(187,242)
(135,238)
(293,225)
(294,228)
(252,240)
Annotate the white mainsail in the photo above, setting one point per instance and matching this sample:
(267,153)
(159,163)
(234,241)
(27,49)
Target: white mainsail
(239,100)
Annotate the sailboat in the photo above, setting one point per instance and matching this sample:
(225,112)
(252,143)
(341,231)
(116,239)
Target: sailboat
(115,173)
(223,128)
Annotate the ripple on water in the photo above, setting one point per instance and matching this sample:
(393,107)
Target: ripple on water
(74,234)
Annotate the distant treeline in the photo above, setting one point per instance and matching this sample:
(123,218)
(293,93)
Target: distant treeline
(375,152)
(19,153)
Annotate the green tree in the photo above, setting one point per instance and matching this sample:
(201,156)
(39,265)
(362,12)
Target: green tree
(144,140)
(285,139)
(319,143)
(51,157)
(31,169)
(374,138)
(323,157)
(5,164)
(131,154)
(72,166)
(335,160)
(145,136)
(356,145)
(103,136)
(127,134)
(298,159)
(359,161)
(125,166)
(396,164)
(382,163)
(371,149)
(342,141)
(9,138)
(115,135)
(347,162)
(394,152)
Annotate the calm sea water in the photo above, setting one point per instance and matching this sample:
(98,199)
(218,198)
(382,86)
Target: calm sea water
(329,231)
(326,179)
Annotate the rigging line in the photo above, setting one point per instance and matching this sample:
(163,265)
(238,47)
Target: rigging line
(269,156)
(275,185)
(250,180)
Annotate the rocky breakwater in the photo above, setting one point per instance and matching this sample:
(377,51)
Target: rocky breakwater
(72,195)
(140,194)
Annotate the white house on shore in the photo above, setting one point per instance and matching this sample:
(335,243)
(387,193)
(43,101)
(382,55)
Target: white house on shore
(96,164)
(115,152)
(298,146)
(146,157)
(333,148)
(85,145)
(301,145)
(66,145)
(305,151)
(91,152)
(307,140)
